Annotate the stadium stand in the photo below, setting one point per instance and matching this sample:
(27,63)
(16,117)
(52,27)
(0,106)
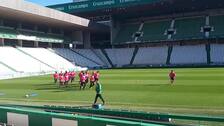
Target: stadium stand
(151,56)
(11,33)
(20,61)
(4,124)
(91,55)
(120,57)
(217,23)
(155,31)
(5,70)
(189,28)
(41,37)
(217,53)
(127,30)
(6,32)
(126,33)
(194,54)
(103,58)
(75,57)
(51,59)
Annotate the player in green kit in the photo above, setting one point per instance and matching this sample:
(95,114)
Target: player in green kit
(98,92)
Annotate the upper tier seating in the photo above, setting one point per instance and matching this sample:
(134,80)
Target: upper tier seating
(7,33)
(155,31)
(11,33)
(217,23)
(189,28)
(50,58)
(189,55)
(74,57)
(217,53)
(151,56)
(120,57)
(126,32)
(42,37)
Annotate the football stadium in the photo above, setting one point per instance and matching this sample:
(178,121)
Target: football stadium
(112,63)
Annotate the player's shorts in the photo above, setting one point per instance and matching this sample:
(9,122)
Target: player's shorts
(172,78)
(82,83)
(96,79)
(87,80)
(62,81)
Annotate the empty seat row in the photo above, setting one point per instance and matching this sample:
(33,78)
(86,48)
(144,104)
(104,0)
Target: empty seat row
(76,58)
(195,54)
(120,57)
(49,58)
(31,61)
(172,29)
(151,55)
(91,55)
(217,53)
(21,62)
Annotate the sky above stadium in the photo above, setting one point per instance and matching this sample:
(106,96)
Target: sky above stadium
(49,2)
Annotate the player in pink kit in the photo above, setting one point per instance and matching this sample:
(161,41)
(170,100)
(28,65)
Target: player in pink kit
(82,81)
(72,76)
(87,76)
(61,73)
(97,75)
(92,80)
(172,76)
(56,76)
(80,76)
(66,75)
(62,80)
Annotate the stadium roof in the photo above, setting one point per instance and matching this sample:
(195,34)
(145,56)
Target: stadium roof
(93,5)
(20,10)
(137,8)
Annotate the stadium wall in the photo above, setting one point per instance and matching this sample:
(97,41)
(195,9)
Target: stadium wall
(24,117)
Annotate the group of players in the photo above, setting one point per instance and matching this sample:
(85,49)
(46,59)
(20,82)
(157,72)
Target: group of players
(84,78)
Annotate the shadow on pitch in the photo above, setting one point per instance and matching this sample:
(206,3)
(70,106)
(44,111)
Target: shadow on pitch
(49,84)
(56,88)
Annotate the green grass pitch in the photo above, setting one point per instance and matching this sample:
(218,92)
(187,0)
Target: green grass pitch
(199,90)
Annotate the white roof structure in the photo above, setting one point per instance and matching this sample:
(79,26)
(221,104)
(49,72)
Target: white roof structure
(21,10)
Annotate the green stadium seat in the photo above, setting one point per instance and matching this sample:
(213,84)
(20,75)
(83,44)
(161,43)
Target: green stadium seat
(8,33)
(43,37)
(126,32)
(154,31)
(189,28)
(218,23)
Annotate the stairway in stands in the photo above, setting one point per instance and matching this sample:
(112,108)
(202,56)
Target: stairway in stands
(108,59)
(208,50)
(134,54)
(170,49)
